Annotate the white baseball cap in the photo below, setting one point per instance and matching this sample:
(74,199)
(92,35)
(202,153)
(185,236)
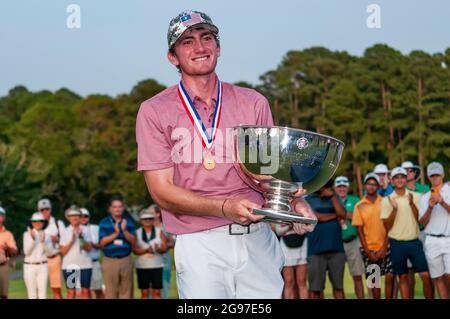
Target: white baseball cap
(44,203)
(381,169)
(372,175)
(398,171)
(341,181)
(84,211)
(2,211)
(435,168)
(37,217)
(72,211)
(146,213)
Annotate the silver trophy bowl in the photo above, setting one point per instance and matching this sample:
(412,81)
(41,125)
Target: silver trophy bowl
(277,161)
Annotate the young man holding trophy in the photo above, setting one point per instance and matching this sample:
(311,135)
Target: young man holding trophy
(222,248)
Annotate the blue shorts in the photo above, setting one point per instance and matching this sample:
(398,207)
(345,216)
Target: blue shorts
(402,250)
(71,278)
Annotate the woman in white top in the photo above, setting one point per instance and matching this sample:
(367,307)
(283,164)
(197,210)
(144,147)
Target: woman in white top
(76,264)
(295,271)
(150,245)
(36,245)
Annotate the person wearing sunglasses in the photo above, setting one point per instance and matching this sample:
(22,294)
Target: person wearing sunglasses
(412,177)
(53,230)
(94,253)
(36,245)
(150,244)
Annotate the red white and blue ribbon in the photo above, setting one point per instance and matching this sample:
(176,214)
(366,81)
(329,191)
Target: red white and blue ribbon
(207,141)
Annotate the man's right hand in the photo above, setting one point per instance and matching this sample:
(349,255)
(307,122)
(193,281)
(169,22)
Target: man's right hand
(372,256)
(240,211)
(393,203)
(117,227)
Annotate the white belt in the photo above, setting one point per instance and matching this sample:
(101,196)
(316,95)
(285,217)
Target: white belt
(237,229)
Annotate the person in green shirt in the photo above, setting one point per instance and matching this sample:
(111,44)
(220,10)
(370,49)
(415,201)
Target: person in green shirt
(412,184)
(350,235)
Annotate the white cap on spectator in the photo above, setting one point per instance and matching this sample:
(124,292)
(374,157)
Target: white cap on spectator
(341,181)
(72,211)
(2,211)
(37,217)
(44,203)
(84,211)
(381,169)
(435,168)
(374,176)
(398,171)
(146,213)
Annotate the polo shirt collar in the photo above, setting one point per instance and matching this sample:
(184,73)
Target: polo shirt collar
(196,99)
(395,195)
(365,200)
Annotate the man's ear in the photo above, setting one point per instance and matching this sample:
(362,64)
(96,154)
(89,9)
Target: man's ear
(172,58)
(218,51)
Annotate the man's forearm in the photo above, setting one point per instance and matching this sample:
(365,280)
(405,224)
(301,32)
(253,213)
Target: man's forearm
(129,237)
(338,207)
(107,239)
(180,200)
(415,212)
(325,217)
(426,217)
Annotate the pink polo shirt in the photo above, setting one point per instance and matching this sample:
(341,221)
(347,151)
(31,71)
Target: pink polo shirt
(167,138)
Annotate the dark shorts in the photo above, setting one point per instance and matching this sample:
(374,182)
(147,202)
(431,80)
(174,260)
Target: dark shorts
(385,264)
(71,277)
(318,265)
(402,250)
(150,278)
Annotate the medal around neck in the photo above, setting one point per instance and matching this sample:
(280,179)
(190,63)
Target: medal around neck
(207,141)
(277,161)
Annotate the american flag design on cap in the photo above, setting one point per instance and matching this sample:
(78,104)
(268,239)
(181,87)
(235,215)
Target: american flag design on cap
(186,20)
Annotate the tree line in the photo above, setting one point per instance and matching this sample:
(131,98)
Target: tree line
(386,106)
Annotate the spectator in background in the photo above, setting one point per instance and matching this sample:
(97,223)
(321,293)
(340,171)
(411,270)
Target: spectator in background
(412,178)
(350,235)
(400,216)
(94,254)
(413,174)
(295,270)
(36,244)
(53,230)
(373,236)
(8,248)
(117,237)
(385,186)
(150,245)
(434,213)
(325,248)
(76,264)
(167,256)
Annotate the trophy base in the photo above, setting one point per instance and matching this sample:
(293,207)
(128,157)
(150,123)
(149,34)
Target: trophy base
(279,217)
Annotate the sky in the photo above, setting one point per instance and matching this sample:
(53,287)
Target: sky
(121,42)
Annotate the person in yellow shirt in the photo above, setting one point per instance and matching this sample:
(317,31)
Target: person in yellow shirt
(400,215)
(373,237)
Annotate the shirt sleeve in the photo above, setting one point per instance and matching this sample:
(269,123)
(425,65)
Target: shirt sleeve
(386,208)
(264,114)
(153,145)
(423,204)
(102,230)
(130,227)
(28,244)
(64,239)
(356,221)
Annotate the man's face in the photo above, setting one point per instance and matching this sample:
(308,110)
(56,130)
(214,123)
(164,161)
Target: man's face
(116,208)
(196,52)
(37,225)
(74,220)
(371,187)
(342,190)
(399,181)
(147,222)
(411,174)
(436,180)
(47,212)
(84,219)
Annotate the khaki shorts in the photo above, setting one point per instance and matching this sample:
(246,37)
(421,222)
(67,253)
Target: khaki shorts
(4,279)
(54,272)
(354,257)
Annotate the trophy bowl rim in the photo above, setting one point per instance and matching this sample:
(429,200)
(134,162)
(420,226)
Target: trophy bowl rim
(290,128)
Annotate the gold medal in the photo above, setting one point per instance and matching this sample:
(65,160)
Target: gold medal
(209,163)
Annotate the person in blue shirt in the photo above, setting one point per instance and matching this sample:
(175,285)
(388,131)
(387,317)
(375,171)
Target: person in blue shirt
(117,237)
(386,187)
(325,246)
